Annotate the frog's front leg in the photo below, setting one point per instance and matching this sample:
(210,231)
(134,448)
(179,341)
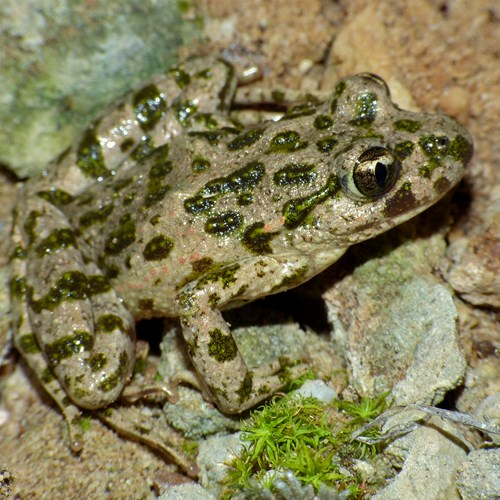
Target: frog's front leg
(210,343)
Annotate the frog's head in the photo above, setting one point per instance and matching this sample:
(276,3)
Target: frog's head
(392,164)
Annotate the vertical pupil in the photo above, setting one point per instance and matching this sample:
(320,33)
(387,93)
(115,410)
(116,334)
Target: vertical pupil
(380,173)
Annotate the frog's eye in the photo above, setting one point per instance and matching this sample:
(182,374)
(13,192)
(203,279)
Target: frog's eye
(374,173)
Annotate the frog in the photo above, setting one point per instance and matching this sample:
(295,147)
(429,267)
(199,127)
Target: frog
(167,206)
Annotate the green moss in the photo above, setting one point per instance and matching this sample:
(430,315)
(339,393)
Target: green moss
(311,439)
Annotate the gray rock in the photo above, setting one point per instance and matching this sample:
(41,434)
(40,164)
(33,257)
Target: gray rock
(67,61)
(430,463)
(479,475)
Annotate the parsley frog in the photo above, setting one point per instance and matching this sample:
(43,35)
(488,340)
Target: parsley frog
(168,207)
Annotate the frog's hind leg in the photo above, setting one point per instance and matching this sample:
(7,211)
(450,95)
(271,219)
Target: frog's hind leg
(27,345)
(67,317)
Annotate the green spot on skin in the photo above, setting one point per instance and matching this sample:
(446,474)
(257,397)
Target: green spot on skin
(120,184)
(127,144)
(47,376)
(326,144)
(244,199)
(181,77)
(30,224)
(206,120)
(57,197)
(256,240)
(97,284)
(365,107)
(122,237)
(300,110)
(149,107)
(278,95)
(223,223)
(90,158)
(401,202)
(108,323)
(296,210)
(199,164)
(17,287)
(95,216)
(202,265)
(221,347)
(245,389)
(97,362)
(211,136)
(246,139)
(183,111)
(146,304)
(411,126)
(143,149)
(72,285)
(68,346)
(322,121)
(295,174)
(292,280)
(426,170)
(110,382)
(286,142)
(339,88)
(28,344)
(18,253)
(241,180)
(56,240)
(223,274)
(461,149)
(434,147)
(198,204)
(154,220)
(403,149)
(158,248)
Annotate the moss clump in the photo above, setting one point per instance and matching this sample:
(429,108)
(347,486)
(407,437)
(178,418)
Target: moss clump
(308,438)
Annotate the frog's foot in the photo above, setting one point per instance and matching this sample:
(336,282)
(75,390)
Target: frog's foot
(156,390)
(135,425)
